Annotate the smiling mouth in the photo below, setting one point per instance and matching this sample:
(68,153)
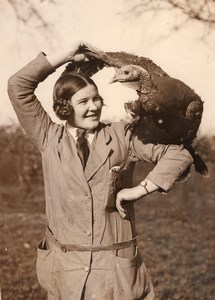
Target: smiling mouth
(92,116)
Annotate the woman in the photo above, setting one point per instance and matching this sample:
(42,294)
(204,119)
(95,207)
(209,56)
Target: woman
(89,251)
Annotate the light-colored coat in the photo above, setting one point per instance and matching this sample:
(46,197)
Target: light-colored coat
(80,205)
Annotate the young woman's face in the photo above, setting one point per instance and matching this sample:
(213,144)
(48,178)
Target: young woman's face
(87,105)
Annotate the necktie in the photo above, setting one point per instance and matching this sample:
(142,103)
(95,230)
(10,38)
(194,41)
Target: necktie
(82,146)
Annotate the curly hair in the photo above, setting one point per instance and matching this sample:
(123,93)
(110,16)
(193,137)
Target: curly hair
(65,87)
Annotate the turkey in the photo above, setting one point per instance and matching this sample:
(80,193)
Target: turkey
(97,60)
(167,110)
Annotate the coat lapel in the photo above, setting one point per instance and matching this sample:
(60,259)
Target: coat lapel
(99,151)
(67,154)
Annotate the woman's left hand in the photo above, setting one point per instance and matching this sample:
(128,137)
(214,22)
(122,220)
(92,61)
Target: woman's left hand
(130,194)
(133,194)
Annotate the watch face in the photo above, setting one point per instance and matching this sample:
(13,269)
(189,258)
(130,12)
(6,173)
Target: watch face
(143,183)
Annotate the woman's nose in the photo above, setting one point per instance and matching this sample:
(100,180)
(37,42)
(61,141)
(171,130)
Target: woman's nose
(92,105)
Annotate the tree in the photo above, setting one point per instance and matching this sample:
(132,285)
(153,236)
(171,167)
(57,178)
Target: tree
(34,19)
(29,12)
(202,10)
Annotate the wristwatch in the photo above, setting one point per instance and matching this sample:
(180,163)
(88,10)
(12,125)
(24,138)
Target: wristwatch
(144,185)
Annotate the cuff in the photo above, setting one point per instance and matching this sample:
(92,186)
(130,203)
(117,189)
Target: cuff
(43,66)
(164,179)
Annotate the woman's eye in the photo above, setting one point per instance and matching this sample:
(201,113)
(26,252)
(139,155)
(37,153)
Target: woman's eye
(83,102)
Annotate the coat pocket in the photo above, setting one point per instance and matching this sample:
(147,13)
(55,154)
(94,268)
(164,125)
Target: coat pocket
(131,280)
(45,264)
(114,183)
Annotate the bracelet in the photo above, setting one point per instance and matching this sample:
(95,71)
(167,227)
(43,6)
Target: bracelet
(144,184)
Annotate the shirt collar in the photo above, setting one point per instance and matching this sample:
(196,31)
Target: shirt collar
(73,131)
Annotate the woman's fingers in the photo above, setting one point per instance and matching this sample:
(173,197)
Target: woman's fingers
(78,48)
(78,57)
(120,208)
(90,48)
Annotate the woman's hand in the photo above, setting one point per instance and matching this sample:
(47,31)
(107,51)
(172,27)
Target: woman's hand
(74,52)
(80,48)
(132,194)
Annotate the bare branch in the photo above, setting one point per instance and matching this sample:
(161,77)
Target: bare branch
(27,12)
(202,10)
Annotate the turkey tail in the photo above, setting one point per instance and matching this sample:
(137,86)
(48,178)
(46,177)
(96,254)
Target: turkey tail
(199,163)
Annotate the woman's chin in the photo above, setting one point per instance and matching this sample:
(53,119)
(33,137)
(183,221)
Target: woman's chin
(90,124)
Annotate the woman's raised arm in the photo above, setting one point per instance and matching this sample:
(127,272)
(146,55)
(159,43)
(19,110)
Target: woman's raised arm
(21,87)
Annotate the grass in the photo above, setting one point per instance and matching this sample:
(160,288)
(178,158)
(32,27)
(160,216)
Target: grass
(176,239)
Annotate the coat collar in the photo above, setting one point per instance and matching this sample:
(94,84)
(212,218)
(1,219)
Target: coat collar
(67,155)
(99,151)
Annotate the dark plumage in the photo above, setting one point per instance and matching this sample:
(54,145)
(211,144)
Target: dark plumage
(97,60)
(167,110)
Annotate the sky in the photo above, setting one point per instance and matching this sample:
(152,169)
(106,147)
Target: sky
(183,54)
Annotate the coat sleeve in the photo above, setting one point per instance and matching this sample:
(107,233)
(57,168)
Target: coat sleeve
(170,161)
(31,115)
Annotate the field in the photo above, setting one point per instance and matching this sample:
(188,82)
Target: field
(176,239)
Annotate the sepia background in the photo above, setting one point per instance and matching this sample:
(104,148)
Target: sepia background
(176,231)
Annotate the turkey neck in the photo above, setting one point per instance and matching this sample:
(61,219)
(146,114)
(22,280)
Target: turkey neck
(146,86)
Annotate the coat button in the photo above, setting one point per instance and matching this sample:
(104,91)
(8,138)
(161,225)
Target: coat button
(88,232)
(86,269)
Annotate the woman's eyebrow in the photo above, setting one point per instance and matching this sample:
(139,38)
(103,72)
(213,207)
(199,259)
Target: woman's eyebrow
(83,99)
